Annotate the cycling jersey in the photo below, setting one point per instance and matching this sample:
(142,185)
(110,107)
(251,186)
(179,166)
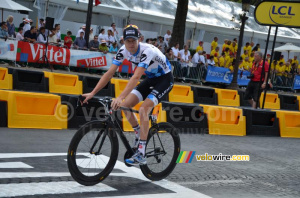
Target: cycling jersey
(148,57)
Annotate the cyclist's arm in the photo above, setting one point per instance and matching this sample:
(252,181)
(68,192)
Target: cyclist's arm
(132,82)
(105,78)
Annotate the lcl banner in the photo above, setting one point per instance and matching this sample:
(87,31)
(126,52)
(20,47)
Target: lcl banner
(278,13)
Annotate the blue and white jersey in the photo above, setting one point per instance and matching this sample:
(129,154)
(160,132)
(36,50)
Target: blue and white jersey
(148,57)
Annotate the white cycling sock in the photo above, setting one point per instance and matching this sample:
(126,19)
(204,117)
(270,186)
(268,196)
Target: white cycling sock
(137,131)
(142,146)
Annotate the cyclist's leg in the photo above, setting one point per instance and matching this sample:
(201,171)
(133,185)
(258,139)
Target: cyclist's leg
(130,101)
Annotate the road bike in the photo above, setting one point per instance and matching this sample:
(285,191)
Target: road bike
(93,150)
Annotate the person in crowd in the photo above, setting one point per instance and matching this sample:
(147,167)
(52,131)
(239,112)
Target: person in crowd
(200,46)
(26,25)
(41,36)
(247,47)
(214,43)
(113,48)
(121,42)
(103,47)
(19,36)
(245,54)
(196,58)
(30,35)
(279,71)
(41,23)
(91,37)
(241,64)
(22,23)
(68,40)
(185,55)
(176,53)
(216,59)
(268,58)
(227,50)
(247,65)
(210,61)
(101,36)
(115,33)
(225,45)
(94,44)
(53,36)
(256,48)
(4,30)
(295,60)
(80,42)
(162,45)
(170,55)
(149,40)
(58,34)
(82,29)
(251,57)
(233,47)
(228,59)
(253,90)
(251,47)
(216,50)
(109,38)
(167,36)
(281,59)
(222,60)
(10,26)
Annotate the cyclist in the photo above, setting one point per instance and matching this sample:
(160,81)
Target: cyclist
(159,81)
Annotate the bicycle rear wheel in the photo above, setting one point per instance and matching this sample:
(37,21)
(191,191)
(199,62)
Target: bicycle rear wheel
(162,151)
(92,153)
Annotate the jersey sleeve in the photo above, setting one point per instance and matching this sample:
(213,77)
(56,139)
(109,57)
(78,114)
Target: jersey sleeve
(118,60)
(146,58)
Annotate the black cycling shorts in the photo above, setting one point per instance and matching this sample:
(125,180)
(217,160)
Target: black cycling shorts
(154,88)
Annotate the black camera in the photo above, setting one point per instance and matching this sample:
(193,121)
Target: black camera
(250,76)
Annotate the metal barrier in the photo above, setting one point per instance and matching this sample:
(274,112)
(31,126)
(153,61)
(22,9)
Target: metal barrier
(180,73)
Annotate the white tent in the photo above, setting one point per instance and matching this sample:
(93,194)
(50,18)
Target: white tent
(11,5)
(289,47)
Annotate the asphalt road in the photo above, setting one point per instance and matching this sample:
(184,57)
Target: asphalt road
(33,164)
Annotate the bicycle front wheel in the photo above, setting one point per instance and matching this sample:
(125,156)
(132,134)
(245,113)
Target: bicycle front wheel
(92,153)
(162,151)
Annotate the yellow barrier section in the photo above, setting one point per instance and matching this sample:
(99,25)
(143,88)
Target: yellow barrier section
(34,110)
(228,97)
(225,120)
(6,80)
(161,116)
(64,83)
(298,97)
(181,93)
(272,101)
(289,123)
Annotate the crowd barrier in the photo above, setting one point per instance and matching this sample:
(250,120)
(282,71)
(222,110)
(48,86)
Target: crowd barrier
(89,83)
(289,123)
(5,79)
(272,101)
(181,93)
(288,102)
(228,97)
(205,95)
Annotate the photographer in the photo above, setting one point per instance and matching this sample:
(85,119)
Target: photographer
(253,90)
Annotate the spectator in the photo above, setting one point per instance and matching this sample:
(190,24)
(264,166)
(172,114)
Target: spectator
(41,36)
(251,47)
(294,60)
(274,65)
(268,58)
(247,64)
(245,54)
(227,51)
(91,37)
(68,40)
(115,33)
(103,47)
(281,59)
(167,36)
(80,42)
(196,58)
(200,46)
(176,52)
(185,52)
(222,60)
(210,61)
(216,59)
(101,35)
(82,29)
(279,71)
(225,45)
(185,59)
(19,36)
(248,48)
(149,40)
(214,43)
(141,38)
(253,90)
(256,48)
(11,26)
(162,45)
(23,23)
(241,64)
(58,34)
(41,23)
(3,30)
(170,55)
(228,60)
(251,57)
(109,38)
(216,50)
(26,25)
(121,42)
(94,44)
(30,35)
(113,48)
(233,47)
(203,58)
(53,36)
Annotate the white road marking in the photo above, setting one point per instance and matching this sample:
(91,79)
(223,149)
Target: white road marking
(23,189)
(132,172)
(14,165)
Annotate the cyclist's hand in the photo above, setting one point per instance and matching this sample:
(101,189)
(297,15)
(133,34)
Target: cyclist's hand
(116,103)
(87,97)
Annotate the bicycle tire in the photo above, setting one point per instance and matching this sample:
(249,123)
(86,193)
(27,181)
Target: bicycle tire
(75,169)
(171,130)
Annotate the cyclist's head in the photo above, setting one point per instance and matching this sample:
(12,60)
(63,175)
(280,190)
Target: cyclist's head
(131,35)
